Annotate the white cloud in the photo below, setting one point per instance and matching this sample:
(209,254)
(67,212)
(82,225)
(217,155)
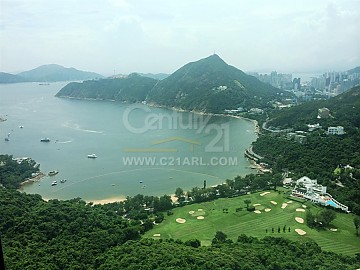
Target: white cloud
(160,36)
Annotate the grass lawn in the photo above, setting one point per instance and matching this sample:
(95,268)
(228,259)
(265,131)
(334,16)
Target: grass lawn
(233,223)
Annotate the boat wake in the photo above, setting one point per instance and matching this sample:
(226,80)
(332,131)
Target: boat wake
(65,141)
(77,127)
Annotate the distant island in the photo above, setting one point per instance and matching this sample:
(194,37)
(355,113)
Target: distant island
(48,73)
(206,85)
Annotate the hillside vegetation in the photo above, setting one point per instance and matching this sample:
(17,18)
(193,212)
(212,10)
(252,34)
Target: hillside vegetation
(133,88)
(73,234)
(207,85)
(322,157)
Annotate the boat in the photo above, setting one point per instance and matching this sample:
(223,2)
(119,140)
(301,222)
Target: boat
(54,183)
(21,126)
(52,173)
(62,181)
(6,139)
(45,140)
(92,156)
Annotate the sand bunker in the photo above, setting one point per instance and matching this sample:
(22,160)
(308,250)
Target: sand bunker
(300,231)
(191,212)
(200,217)
(156,235)
(273,202)
(257,212)
(267,209)
(283,205)
(290,202)
(333,230)
(200,210)
(304,206)
(264,193)
(300,210)
(299,219)
(256,204)
(180,220)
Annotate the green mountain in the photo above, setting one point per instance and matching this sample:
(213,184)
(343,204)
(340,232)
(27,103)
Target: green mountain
(207,85)
(344,109)
(10,78)
(133,88)
(211,85)
(53,73)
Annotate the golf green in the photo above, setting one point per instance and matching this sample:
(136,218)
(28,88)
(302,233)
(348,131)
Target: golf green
(275,215)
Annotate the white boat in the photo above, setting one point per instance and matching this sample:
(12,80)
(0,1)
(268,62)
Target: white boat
(92,156)
(52,173)
(54,183)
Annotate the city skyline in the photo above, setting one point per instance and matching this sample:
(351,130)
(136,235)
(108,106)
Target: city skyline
(118,36)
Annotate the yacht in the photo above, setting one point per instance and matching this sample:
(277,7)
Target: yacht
(53,173)
(92,156)
(45,140)
(54,183)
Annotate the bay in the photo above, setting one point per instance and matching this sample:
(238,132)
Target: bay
(173,149)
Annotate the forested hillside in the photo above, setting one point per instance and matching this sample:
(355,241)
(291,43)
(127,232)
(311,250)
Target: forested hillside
(322,154)
(211,85)
(344,109)
(207,85)
(73,234)
(133,88)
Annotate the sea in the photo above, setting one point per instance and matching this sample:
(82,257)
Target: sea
(139,149)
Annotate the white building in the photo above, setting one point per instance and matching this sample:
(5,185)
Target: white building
(309,189)
(339,130)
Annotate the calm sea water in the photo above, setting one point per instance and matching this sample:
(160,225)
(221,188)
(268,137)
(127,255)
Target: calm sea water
(184,148)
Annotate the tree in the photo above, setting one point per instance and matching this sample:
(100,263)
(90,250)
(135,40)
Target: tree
(326,217)
(179,193)
(220,237)
(193,243)
(247,202)
(277,180)
(357,224)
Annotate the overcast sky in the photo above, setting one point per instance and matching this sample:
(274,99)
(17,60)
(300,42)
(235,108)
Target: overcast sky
(163,35)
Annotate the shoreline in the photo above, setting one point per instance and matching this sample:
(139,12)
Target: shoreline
(32,180)
(107,200)
(176,109)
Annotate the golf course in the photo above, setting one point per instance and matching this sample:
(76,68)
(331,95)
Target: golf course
(275,215)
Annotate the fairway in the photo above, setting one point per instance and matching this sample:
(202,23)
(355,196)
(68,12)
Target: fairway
(273,211)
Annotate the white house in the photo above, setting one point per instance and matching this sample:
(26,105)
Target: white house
(339,130)
(309,189)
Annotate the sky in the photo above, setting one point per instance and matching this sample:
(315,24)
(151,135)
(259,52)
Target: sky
(160,36)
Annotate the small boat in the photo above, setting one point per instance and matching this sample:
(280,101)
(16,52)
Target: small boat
(6,139)
(140,182)
(52,173)
(62,181)
(54,183)
(21,126)
(45,140)
(92,156)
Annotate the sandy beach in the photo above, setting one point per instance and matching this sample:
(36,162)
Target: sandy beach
(108,200)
